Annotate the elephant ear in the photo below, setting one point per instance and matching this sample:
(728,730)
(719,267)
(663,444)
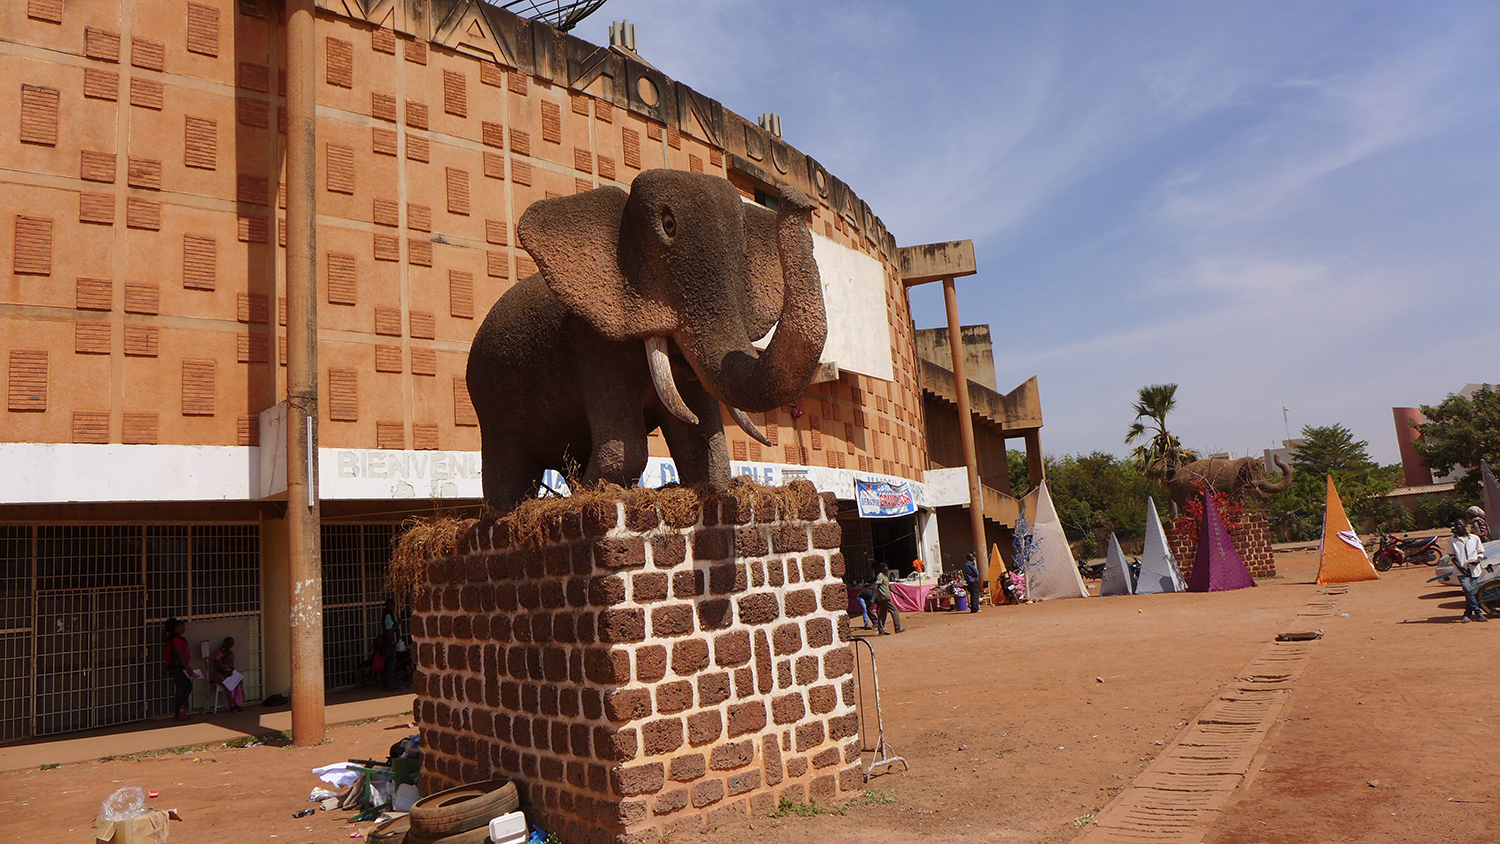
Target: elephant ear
(764,285)
(575,241)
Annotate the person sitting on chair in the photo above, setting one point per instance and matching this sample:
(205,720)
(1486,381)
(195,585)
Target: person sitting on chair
(221,671)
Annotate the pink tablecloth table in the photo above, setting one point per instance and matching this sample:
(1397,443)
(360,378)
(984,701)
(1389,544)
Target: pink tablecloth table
(908,597)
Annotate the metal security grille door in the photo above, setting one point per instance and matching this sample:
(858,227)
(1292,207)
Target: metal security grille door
(81,612)
(89,670)
(89,627)
(355,559)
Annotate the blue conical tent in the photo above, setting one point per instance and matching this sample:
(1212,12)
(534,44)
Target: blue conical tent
(1217,567)
(1159,572)
(1116,571)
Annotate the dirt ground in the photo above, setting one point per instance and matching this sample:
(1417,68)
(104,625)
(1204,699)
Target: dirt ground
(1020,724)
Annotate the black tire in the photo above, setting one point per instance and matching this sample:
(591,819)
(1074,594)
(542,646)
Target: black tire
(461,809)
(1430,557)
(1383,562)
(1489,598)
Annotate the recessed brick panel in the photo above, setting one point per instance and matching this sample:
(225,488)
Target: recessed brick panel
(143,173)
(199,262)
(455,94)
(101,84)
(146,93)
(198,382)
(91,337)
(50,11)
(343,395)
(97,208)
(202,29)
(338,62)
(201,143)
(39,115)
(142,297)
(142,341)
(140,429)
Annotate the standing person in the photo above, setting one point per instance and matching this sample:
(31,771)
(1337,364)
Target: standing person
(883,603)
(179,665)
(388,634)
(221,671)
(971,581)
(1468,552)
(866,598)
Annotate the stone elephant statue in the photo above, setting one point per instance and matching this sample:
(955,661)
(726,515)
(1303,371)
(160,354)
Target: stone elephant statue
(1221,474)
(642,316)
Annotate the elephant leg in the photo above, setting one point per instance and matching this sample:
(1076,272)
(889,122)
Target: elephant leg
(509,476)
(617,426)
(700,452)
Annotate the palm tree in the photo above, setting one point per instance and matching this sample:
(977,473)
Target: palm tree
(1162,454)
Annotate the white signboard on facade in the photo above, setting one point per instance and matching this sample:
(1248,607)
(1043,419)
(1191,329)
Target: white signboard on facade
(366,473)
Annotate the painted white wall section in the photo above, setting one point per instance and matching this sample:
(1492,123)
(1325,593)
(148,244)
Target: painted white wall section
(859,331)
(58,473)
(946,487)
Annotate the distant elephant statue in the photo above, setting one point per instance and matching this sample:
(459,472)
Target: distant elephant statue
(1220,474)
(642,315)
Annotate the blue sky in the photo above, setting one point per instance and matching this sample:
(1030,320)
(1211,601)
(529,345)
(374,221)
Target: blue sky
(1269,204)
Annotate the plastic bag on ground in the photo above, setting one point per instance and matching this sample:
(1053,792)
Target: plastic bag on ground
(337,774)
(127,803)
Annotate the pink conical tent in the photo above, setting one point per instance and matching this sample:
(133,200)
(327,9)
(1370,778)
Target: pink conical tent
(1217,567)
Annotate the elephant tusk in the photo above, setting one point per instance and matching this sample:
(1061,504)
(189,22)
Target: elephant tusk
(747,426)
(661,378)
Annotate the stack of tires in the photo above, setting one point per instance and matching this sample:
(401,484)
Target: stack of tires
(459,815)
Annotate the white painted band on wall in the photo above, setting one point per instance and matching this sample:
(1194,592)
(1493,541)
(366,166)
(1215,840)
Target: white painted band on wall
(60,473)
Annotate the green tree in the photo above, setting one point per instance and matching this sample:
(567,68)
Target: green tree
(1162,453)
(1461,432)
(1099,492)
(1332,450)
(1017,467)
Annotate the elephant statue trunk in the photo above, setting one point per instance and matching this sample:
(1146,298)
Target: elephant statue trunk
(732,369)
(1265,487)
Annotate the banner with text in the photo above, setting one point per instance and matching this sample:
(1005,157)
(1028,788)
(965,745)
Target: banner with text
(884,499)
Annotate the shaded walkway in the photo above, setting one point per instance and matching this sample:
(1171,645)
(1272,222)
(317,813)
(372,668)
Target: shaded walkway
(204,728)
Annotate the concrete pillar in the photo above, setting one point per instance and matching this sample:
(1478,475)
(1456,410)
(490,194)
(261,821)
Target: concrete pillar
(1035,469)
(305,568)
(928,544)
(966,431)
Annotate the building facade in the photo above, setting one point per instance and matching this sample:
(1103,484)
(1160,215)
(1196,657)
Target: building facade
(142,314)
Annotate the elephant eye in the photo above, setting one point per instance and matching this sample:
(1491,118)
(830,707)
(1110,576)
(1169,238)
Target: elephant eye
(668,223)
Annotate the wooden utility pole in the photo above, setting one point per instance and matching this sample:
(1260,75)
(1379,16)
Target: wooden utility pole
(945,262)
(304,522)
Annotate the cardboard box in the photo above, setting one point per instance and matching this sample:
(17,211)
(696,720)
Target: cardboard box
(150,828)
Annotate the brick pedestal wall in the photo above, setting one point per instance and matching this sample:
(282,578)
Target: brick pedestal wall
(637,679)
(1252,539)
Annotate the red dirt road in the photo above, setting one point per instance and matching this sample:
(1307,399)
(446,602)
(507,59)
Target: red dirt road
(1020,723)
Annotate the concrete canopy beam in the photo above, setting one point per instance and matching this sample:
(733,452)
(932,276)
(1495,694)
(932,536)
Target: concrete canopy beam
(937,261)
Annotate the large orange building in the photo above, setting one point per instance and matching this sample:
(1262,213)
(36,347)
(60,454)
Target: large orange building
(142,313)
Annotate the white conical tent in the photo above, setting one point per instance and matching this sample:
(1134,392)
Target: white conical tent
(1116,571)
(1056,575)
(1159,572)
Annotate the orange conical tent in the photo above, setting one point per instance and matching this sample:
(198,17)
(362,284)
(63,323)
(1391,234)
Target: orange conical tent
(1341,557)
(997,576)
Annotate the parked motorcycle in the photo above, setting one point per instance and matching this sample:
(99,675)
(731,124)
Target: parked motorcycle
(1394,550)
